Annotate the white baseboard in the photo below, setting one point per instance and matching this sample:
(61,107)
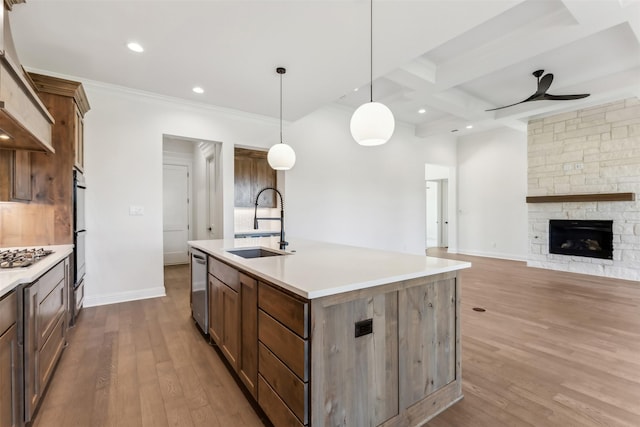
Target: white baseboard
(498,255)
(93,301)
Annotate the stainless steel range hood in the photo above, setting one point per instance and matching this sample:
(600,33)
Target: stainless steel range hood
(25,123)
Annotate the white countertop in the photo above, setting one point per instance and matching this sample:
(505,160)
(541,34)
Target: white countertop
(317,269)
(10,278)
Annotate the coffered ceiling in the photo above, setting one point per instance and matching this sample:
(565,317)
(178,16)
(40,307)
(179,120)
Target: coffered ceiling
(453,58)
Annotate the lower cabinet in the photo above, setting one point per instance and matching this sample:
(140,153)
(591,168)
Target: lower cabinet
(9,364)
(383,356)
(248,362)
(45,326)
(225,309)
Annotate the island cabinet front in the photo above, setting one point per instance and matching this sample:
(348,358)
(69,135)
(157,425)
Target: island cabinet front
(283,356)
(386,356)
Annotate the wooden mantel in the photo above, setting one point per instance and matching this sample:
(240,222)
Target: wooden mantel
(599,197)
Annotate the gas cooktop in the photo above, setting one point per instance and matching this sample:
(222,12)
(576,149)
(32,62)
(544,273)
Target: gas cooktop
(16,258)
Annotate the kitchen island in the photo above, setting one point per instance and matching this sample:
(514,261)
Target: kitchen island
(325,334)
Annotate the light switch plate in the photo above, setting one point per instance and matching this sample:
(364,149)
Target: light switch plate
(136,210)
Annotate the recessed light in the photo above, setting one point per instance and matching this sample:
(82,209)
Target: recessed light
(198,89)
(469,126)
(136,47)
(422,111)
(356,89)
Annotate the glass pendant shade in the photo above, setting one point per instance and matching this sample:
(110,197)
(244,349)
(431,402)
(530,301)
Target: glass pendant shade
(281,157)
(372,124)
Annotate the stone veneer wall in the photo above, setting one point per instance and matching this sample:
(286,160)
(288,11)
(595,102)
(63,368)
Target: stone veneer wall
(594,150)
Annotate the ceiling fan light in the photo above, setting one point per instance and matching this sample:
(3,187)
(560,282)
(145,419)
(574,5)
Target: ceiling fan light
(281,157)
(372,124)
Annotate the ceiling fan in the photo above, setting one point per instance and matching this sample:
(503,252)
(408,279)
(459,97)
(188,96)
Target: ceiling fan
(541,93)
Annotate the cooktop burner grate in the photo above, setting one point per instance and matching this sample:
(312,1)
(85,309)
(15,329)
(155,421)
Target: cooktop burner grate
(17,258)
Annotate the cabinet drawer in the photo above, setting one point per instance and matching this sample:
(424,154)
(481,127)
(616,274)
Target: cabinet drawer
(50,353)
(287,346)
(50,280)
(291,390)
(279,414)
(227,274)
(50,309)
(289,311)
(8,311)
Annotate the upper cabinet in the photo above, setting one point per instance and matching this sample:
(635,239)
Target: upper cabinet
(252,174)
(68,102)
(25,123)
(15,181)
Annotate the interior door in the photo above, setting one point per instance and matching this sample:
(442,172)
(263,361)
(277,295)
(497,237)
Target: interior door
(444,209)
(175,213)
(433,208)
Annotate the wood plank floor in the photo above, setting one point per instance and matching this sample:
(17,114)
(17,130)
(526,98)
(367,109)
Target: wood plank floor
(143,363)
(552,349)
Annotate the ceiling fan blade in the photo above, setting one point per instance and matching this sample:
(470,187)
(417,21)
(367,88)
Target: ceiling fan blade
(564,97)
(507,106)
(543,85)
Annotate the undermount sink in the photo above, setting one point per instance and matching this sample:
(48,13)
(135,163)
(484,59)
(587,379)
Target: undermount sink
(254,253)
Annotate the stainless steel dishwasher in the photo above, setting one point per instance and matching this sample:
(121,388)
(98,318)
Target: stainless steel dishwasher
(199,290)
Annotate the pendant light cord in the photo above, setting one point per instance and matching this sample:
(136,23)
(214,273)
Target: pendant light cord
(280,108)
(371,50)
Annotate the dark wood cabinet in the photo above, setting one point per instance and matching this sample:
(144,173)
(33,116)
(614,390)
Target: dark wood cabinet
(284,358)
(215,309)
(45,179)
(15,176)
(9,367)
(252,174)
(224,309)
(45,327)
(248,362)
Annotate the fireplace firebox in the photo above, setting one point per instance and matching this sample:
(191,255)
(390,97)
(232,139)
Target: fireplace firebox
(587,238)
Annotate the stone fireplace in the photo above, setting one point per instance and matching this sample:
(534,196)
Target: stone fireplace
(585,166)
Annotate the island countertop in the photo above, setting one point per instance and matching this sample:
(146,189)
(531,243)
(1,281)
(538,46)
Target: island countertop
(10,278)
(315,269)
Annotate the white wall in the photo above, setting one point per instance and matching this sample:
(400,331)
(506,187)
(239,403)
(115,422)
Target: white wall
(339,191)
(492,187)
(123,161)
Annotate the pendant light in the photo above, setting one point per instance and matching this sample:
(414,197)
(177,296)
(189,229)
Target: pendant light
(281,157)
(372,123)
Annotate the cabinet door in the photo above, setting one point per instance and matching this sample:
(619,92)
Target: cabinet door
(79,141)
(15,176)
(264,177)
(230,325)
(9,408)
(215,309)
(248,363)
(428,316)
(242,176)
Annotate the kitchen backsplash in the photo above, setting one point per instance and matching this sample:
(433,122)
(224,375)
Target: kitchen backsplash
(243,219)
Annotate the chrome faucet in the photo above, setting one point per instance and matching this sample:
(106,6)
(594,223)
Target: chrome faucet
(282,242)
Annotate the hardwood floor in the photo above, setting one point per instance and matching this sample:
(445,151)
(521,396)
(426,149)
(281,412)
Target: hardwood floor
(551,349)
(143,363)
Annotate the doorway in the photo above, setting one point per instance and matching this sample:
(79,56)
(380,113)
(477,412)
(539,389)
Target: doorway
(441,207)
(176,211)
(437,218)
(192,195)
